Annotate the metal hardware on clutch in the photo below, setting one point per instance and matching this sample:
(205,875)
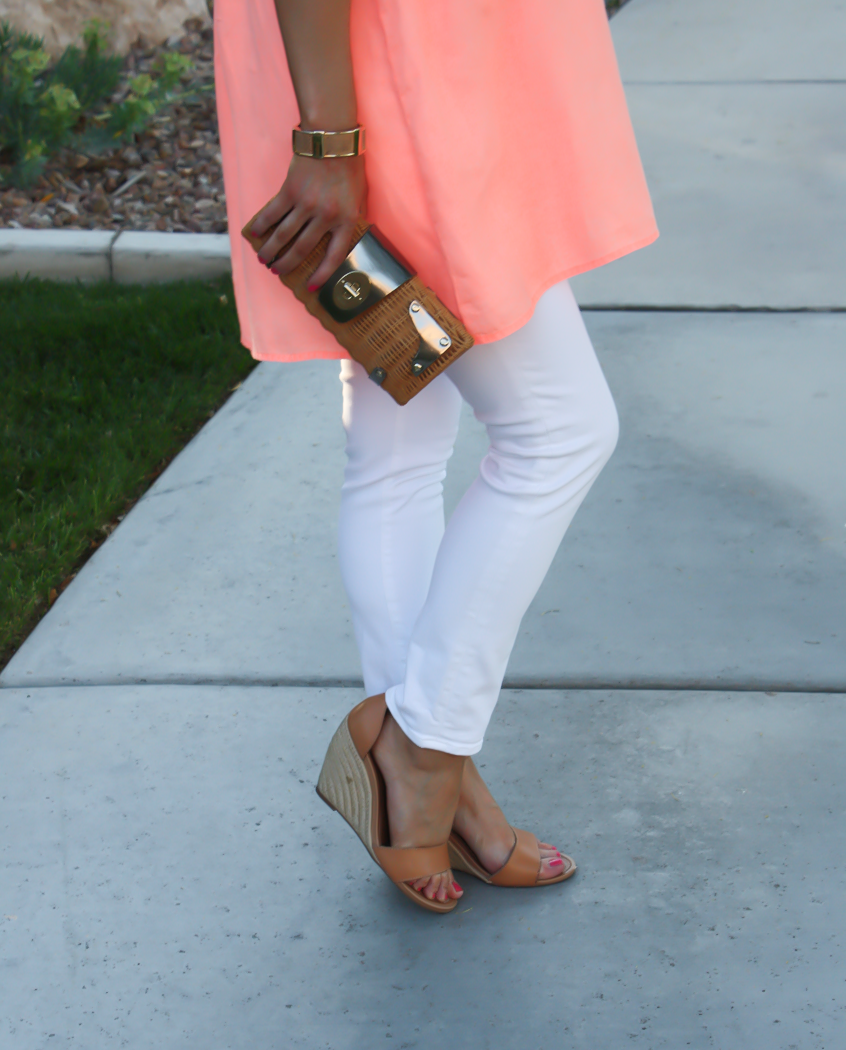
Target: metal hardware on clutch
(433,339)
(370,268)
(378,375)
(351,290)
(320,144)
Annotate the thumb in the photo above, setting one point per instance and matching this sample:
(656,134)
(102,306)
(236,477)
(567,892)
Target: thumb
(337,250)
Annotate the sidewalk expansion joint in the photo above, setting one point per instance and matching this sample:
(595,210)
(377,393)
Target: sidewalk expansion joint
(641,684)
(727,83)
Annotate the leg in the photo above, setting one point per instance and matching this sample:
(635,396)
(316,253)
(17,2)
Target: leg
(392,513)
(552,426)
(391,525)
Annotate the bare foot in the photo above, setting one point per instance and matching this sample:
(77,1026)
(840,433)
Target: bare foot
(422,789)
(482,825)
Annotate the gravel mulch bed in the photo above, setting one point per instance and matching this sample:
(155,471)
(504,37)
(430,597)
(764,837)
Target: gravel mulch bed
(170,179)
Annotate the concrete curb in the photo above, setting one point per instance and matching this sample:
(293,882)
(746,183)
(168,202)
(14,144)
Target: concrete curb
(101,255)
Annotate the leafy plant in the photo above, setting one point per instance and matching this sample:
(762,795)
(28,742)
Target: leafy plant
(34,116)
(91,73)
(77,101)
(146,96)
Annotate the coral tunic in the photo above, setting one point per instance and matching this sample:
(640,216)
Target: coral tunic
(500,155)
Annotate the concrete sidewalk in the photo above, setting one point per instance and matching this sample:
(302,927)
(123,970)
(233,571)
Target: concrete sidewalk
(710,553)
(738,109)
(173,880)
(676,716)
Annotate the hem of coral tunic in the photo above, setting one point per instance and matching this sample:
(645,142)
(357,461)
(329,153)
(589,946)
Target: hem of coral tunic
(337,352)
(455,99)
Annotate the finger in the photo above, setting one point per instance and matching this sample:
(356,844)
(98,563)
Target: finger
(336,252)
(287,228)
(271,213)
(307,239)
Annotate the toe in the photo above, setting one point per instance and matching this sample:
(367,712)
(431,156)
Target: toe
(430,890)
(551,868)
(552,861)
(445,886)
(441,887)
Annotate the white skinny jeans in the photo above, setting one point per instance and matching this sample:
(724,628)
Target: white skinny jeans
(436,611)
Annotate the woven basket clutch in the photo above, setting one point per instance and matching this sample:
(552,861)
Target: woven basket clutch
(380,312)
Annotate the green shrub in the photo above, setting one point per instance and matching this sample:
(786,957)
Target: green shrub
(91,74)
(80,101)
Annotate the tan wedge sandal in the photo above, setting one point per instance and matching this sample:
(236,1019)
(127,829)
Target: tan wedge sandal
(350,782)
(521,869)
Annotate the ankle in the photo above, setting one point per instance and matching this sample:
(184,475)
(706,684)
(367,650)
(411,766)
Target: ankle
(397,751)
(479,812)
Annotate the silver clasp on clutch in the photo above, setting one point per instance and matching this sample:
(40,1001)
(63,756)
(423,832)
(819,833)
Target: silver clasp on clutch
(369,273)
(433,339)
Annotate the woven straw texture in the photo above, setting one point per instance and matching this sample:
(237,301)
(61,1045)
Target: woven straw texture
(383,336)
(344,784)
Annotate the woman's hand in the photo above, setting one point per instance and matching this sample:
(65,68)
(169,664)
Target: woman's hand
(318,196)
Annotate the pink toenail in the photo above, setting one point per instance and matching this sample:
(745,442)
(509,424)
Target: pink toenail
(554,863)
(457,888)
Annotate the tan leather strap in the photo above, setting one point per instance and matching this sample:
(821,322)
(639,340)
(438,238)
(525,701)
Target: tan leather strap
(365,723)
(523,866)
(416,862)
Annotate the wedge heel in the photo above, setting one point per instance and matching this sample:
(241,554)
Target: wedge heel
(344,785)
(352,786)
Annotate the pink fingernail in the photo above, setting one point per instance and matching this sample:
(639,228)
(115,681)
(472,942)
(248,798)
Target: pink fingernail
(313,287)
(555,863)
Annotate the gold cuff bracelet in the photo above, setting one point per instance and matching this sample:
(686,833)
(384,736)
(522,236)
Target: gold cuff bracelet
(321,144)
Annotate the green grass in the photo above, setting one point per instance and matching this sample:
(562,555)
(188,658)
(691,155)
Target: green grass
(101,386)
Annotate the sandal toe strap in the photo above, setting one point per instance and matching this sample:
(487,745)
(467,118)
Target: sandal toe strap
(416,862)
(523,866)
